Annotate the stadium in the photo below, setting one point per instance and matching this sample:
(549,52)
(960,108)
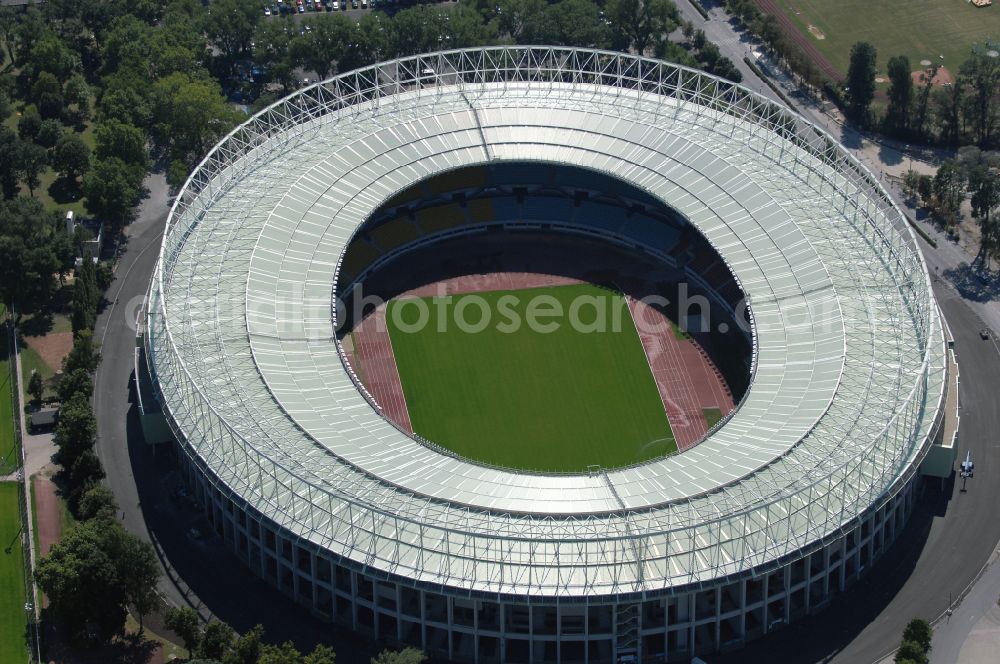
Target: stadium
(511,170)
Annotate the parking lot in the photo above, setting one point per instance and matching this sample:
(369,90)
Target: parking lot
(352,7)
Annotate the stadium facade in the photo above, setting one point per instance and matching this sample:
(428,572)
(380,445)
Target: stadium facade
(787,502)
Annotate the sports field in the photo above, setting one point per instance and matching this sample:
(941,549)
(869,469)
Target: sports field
(526,398)
(921,30)
(12,615)
(8,458)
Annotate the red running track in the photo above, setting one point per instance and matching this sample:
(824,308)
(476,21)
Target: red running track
(687,381)
(376,365)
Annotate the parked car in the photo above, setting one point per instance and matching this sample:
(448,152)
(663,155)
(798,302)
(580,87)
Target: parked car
(267,11)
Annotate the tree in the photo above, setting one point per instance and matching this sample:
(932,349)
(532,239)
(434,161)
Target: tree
(519,18)
(30,124)
(190,115)
(84,474)
(8,24)
(641,23)
(139,574)
(900,95)
(321,48)
(33,160)
(577,23)
(98,503)
(76,383)
(947,104)
(231,26)
(860,83)
(699,40)
(925,188)
(286,653)
(83,355)
(50,55)
(33,248)
(46,93)
(49,133)
(910,651)
(405,656)
(216,640)
(121,140)
(984,184)
(247,648)
(35,386)
(321,654)
(187,624)
(81,580)
(919,631)
(77,91)
(949,190)
(10,154)
(981,73)
(921,113)
(72,156)
(112,187)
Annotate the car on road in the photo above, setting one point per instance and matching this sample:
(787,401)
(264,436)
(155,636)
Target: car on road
(984,333)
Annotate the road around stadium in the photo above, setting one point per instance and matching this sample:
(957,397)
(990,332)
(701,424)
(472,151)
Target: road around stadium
(942,550)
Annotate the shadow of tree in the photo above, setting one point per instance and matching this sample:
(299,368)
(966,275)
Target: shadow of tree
(976,283)
(128,649)
(890,156)
(64,190)
(37,325)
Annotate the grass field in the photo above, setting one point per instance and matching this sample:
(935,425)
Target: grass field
(7,459)
(557,401)
(921,30)
(12,615)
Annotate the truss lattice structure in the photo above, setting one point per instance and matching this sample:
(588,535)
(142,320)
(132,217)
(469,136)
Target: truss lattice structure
(848,353)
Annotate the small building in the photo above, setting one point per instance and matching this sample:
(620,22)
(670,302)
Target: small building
(93,236)
(43,420)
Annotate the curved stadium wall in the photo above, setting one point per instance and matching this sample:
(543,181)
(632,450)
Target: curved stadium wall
(783,505)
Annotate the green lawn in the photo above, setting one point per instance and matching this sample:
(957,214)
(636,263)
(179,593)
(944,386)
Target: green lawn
(32,361)
(13,620)
(557,401)
(920,30)
(8,462)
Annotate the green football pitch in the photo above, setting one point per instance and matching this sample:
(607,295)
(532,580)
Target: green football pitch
(524,396)
(12,615)
(923,30)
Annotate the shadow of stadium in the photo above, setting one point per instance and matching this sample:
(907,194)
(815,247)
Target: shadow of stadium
(820,637)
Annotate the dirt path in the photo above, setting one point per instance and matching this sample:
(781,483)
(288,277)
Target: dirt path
(46,513)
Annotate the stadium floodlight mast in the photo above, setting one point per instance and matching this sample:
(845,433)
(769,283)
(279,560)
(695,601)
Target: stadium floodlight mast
(798,490)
